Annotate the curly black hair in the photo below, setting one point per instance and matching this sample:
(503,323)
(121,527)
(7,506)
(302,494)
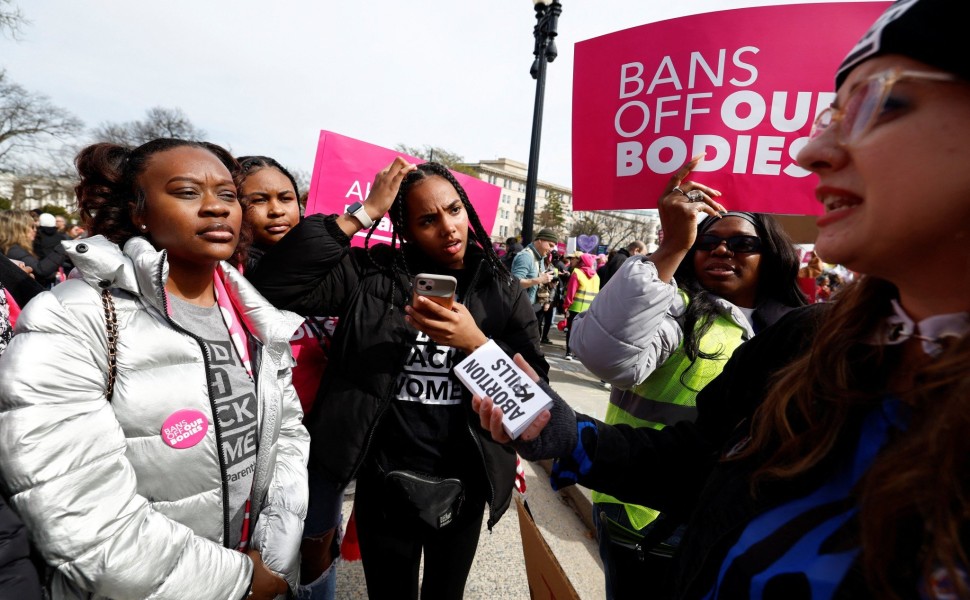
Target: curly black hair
(109,183)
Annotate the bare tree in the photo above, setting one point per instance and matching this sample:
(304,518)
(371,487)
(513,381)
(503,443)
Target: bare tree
(12,20)
(159,122)
(302,177)
(452,160)
(29,122)
(614,229)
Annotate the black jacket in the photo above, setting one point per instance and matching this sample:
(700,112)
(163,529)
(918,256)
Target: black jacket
(314,271)
(612,266)
(47,240)
(45,269)
(20,285)
(684,474)
(18,578)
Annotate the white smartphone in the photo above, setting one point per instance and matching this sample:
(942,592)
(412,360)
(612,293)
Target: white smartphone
(440,289)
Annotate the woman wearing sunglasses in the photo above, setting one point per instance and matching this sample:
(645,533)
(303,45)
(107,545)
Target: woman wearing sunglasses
(831,457)
(664,328)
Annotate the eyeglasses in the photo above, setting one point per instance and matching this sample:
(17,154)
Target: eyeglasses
(736,243)
(865,103)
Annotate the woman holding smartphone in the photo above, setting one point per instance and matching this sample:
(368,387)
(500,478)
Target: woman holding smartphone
(389,408)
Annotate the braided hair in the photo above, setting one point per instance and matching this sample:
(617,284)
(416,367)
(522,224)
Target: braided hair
(397,266)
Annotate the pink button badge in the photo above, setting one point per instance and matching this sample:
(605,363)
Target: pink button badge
(185,428)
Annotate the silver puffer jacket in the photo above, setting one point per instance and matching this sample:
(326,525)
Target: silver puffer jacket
(116,511)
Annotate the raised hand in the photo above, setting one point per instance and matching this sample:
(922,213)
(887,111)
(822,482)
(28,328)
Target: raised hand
(386,185)
(680,205)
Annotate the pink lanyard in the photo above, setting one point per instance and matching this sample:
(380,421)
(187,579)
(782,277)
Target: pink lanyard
(233,322)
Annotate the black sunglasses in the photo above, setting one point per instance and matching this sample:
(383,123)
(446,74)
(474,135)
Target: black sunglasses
(735,243)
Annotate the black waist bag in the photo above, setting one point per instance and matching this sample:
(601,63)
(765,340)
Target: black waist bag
(436,501)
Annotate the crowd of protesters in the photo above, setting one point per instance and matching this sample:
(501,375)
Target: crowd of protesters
(189,384)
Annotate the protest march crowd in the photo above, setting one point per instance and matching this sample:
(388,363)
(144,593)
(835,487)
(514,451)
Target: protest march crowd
(189,384)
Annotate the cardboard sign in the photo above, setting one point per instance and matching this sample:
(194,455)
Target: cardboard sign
(490,372)
(344,171)
(742,85)
(547,580)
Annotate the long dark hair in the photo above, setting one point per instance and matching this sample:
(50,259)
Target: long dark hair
(109,183)
(777,280)
(917,487)
(397,267)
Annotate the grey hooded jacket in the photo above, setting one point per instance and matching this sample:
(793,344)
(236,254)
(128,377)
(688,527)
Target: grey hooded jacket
(115,511)
(634,326)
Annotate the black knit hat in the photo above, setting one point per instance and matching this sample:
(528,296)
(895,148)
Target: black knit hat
(547,234)
(930,31)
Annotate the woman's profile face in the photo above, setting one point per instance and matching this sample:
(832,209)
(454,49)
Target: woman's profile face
(896,199)
(191,208)
(437,222)
(272,206)
(730,275)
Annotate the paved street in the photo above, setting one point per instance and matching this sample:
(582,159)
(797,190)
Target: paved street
(499,569)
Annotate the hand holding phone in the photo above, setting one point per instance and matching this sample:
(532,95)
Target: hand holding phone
(454,326)
(440,289)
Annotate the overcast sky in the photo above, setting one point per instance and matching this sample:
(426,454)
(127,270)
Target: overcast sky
(265,78)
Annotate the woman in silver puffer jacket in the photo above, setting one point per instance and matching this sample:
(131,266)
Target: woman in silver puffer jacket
(188,478)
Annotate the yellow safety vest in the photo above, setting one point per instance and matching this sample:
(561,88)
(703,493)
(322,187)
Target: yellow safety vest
(668,396)
(588,288)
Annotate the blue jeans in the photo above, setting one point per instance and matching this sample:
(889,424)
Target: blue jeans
(323,515)
(324,588)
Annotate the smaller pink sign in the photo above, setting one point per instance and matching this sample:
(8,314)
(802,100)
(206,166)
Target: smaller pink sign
(345,168)
(185,428)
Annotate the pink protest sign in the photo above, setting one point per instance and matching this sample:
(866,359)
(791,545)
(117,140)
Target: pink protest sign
(742,85)
(344,170)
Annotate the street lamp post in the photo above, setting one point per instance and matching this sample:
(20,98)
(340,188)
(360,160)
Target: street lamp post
(547,18)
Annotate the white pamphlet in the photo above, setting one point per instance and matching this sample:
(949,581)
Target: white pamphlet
(490,372)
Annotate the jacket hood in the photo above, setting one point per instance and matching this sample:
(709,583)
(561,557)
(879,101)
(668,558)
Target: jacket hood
(142,271)
(587,262)
(102,264)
